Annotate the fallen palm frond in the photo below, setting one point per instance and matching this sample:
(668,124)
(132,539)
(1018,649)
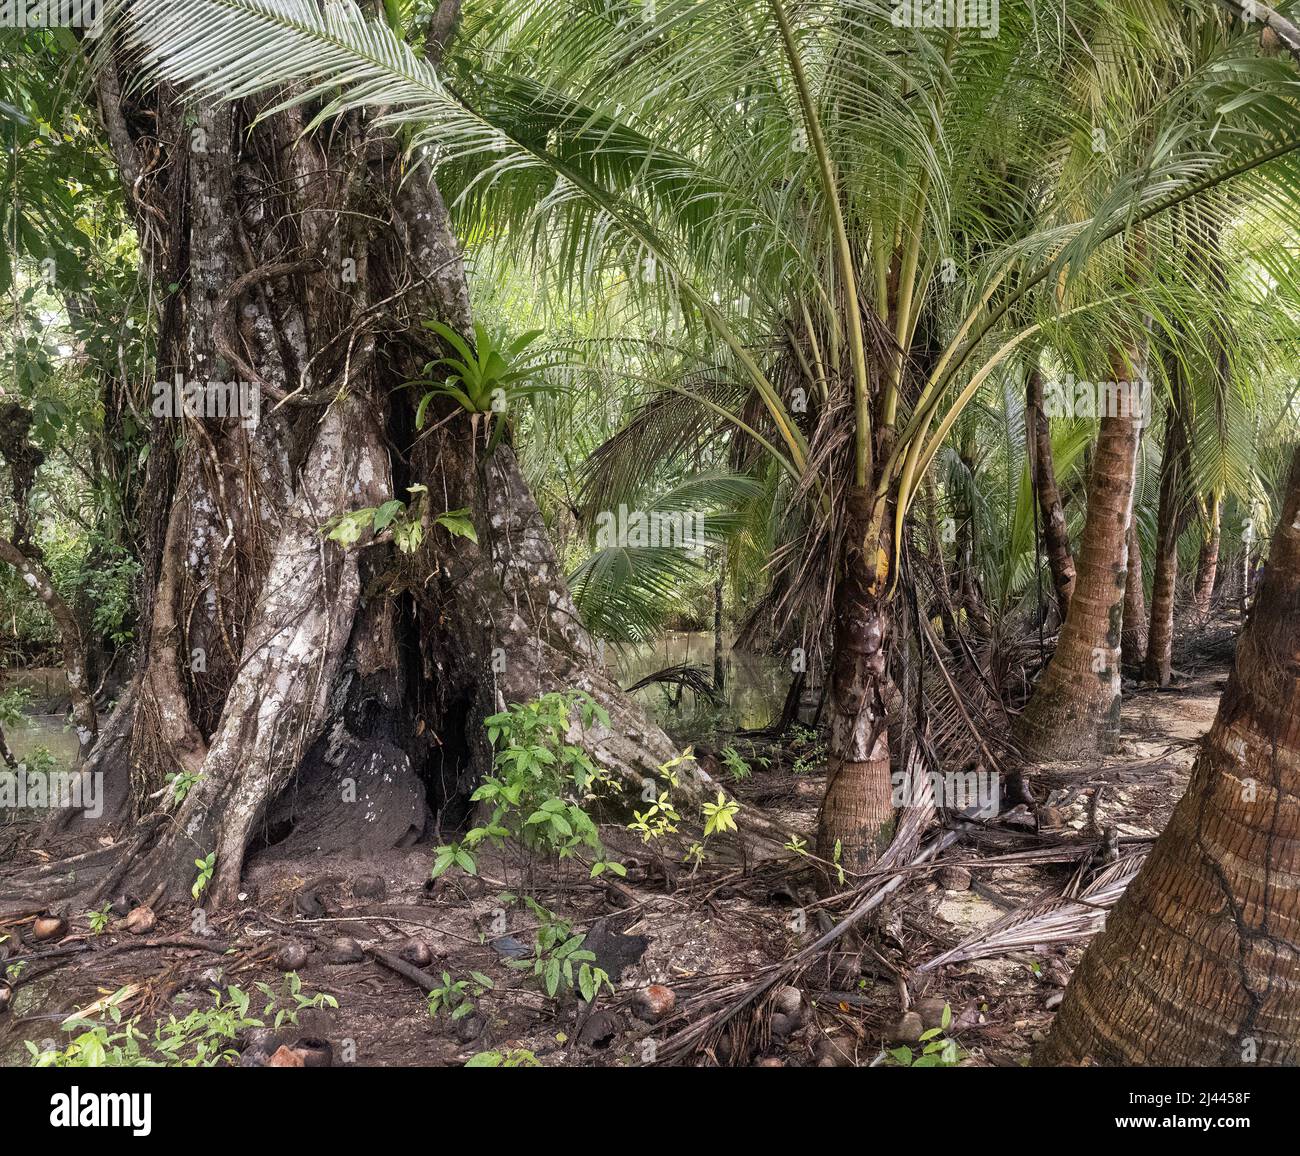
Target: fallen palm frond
(1048,918)
(915,819)
(685,674)
(736,997)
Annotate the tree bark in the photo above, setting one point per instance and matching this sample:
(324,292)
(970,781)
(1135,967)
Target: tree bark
(1207,562)
(1133,637)
(1170,521)
(1074,710)
(278,667)
(1200,961)
(1056,537)
(857,811)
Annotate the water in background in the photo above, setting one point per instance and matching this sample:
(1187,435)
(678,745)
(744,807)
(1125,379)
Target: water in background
(50,731)
(754,685)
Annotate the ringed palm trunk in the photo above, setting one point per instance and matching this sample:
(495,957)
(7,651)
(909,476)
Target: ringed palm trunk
(1207,562)
(857,811)
(1200,961)
(1056,537)
(1157,666)
(1133,639)
(1075,707)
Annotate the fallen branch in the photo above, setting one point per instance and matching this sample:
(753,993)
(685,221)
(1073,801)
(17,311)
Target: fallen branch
(422,979)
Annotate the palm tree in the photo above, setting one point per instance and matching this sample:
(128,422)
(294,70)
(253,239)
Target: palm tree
(1197,965)
(1056,536)
(1075,705)
(1133,636)
(1207,560)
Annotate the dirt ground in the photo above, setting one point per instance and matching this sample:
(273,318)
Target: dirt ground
(703,935)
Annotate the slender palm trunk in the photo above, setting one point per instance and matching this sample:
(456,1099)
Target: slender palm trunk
(1133,638)
(1056,537)
(857,813)
(1170,521)
(1200,961)
(1075,707)
(970,590)
(719,666)
(1207,562)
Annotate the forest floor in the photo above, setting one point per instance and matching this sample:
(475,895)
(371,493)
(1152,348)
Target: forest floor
(693,933)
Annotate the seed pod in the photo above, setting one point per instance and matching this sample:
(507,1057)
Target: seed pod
(292,957)
(49,927)
(139,920)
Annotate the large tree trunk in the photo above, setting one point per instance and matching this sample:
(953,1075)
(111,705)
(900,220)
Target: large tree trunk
(857,812)
(1056,537)
(276,665)
(1133,637)
(1200,961)
(1074,710)
(1207,562)
(1171,519)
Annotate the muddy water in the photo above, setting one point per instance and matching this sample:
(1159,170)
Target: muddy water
(50,731)
(755,686)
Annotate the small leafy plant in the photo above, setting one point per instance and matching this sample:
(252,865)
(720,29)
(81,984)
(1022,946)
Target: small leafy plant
(541,786)
(720,817)
(814,753)
(289,1001)
(484,379)
(739,766)
(454,995)
(207,865)
(202,1039)
(560,962)
(936,1050)
(99,920)
(14,704)
(659,820)
(507,1058)
(404,521)
(181,782)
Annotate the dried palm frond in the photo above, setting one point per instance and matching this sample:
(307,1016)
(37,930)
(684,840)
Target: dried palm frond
(1050,918)
(685,674)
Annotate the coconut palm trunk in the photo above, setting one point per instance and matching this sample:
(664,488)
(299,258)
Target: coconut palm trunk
(1074,709)
(1056,537)
(1200,961)
(1170,522)
(1207,562)
(856,822)
(1133,638)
